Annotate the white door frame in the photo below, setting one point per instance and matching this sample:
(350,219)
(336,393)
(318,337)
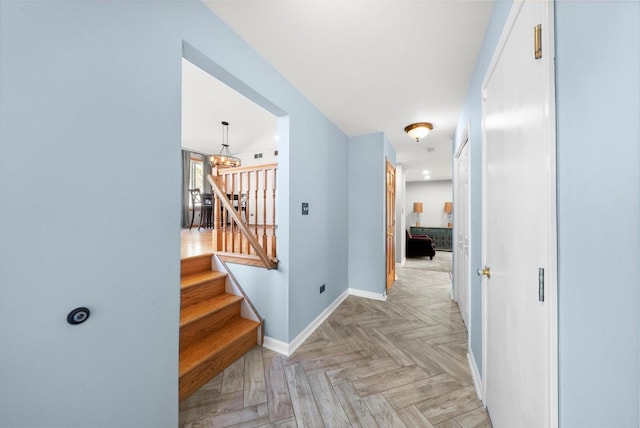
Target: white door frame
(459,258)
(548,44)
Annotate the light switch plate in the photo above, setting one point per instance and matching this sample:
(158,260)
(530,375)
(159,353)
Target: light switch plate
(305,208)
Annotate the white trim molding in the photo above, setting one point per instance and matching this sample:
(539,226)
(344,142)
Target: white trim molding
(287,349)
(276,345)
(304,334)
(367,294)
(475,374)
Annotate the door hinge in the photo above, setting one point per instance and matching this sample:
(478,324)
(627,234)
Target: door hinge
(540,284)
(537,41)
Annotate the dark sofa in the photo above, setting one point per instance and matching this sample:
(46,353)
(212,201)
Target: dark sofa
(420,246)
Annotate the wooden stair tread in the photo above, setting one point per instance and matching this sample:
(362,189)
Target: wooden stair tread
(204,308)
(213,333)
(203,255)
(195,264)
(199,278)
(205,348)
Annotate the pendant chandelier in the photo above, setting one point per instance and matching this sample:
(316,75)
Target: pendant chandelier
(224,159)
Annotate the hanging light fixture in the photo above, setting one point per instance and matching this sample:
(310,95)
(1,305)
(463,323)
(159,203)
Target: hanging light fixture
(418,130)
(224,159)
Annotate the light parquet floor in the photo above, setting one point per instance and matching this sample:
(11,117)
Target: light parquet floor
(195,242)
(399,363)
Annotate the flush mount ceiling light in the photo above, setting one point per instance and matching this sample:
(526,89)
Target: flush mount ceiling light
(224,159)
(418,130)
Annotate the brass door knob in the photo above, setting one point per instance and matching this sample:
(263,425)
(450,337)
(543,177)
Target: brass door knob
(486,271)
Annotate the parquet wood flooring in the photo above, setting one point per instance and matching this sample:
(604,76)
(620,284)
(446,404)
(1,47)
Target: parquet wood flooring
(195,242)
(399,363)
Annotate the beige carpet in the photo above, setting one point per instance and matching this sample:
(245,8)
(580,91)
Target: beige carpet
(441,262)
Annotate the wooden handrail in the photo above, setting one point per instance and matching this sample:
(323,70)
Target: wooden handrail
(249,168)
(218,188)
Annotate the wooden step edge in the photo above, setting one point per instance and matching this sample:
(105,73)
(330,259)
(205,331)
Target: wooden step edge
(194,264)
(208,307)
(207,347)
(199,256)
(193,380)
(200,278)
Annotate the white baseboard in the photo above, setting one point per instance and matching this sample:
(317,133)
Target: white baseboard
(276,345)
(368,294)
(287,349)
(475,374)
(304,334)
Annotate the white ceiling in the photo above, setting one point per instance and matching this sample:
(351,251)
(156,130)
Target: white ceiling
(206,102)
(368,65)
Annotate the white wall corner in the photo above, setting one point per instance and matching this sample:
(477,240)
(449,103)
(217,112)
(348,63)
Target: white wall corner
(304,334)
(368,294)
(289,348)
(276,345)
(475,374)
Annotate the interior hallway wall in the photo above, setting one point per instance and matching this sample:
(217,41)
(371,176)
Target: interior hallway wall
(88,90)
(598,106)
(471,115)
(366,207)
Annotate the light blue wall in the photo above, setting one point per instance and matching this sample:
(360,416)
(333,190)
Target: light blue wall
(267,290)
(389,154)
(471,116)
(312,167)
(367,184)
(598,111)
(90,123)
(319,249)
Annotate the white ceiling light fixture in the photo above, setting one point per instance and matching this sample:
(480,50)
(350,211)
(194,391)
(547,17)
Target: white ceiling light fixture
(418,130)
(224,159)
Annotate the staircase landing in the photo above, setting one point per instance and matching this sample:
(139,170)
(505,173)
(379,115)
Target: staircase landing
(195,242)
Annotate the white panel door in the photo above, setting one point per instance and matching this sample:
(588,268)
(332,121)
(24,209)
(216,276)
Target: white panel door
(461,230)
(519,232)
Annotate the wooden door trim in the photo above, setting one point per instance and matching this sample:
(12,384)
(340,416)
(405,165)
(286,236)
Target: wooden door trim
(389,253)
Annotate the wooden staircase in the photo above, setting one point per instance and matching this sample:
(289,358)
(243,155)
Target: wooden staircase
(212,332)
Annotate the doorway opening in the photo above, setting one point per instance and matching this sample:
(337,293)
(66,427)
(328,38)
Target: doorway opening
(218,110)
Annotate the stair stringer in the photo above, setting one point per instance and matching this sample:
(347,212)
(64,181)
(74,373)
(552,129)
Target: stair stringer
(247,309)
